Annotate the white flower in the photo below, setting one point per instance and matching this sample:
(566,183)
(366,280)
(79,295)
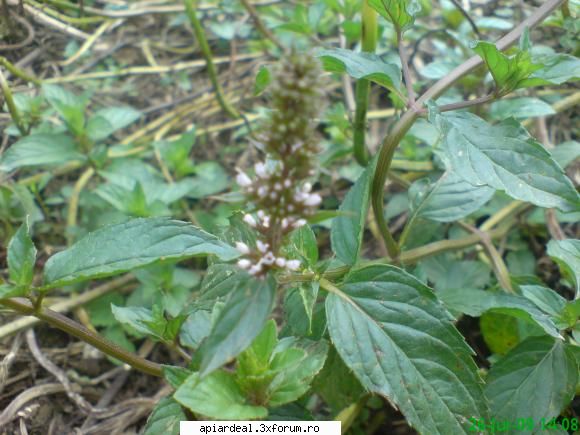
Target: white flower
(249,219)
(293,264)
(273,195)
(299,223)
(261,170)
(262,191)
(260,214)
(266,222)
(278,186)
(280,262)
(243,180)
(255,269)
(244,263)
(307,187)
(268,259)
(284,223)
(287,182)
(242,247)
(262,247)
(313,199)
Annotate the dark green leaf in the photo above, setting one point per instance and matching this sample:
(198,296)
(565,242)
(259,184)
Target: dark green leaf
(447,273)
(448,199)
(40,149)
(240,321)
(567,254)
(217,396)
(506,158)
(346,231)
(537,378)
(165,418)
(401,343)
(304,241)
(21,256)
(361,66)
(118,248)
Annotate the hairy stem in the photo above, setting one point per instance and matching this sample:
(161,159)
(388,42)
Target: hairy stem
(23,306)
(392,140)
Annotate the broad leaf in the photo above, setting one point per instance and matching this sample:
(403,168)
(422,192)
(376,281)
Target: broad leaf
(445,272)
(520,108)
(217,396)
(346,231)
(21,257)
(509,73)
(400,12)
(149,322)
(506,158)
(558,68)
(401,343)
(263,79)
(303,240)
(361,66)
(38,150)
(448,199)
(118,248)
(476,302)
(240,321)
(537,378)
(68,105)
(567,254)
(107,121)
(165,418)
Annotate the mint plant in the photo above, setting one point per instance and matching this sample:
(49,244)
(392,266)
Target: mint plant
(287,311)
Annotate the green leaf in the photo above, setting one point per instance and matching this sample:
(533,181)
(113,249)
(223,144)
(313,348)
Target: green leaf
(506,158)
(107,121)
(40,149)
(263,79)
(195,329)
(294,380)
(347,229)
(566,152)
(557,68)
(220,281)
(447,273)
(10,291)
(304,241)
(21,257)
(520,108)
(118,248)
(361,66)
(544,298)
(217,396)
(240,321)
(537,378)
(400,12)
(149,322)
(401,343)
(509,73)
(448,199)
(68,105)
(165,418)
(476,302)
(255,360)
(566,253)
(309,293)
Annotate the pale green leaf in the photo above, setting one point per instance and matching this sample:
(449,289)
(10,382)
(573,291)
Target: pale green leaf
(118,248)
(520,108)
(217,396)
(165,418)
(400,12)
(567,254)
(107,121)
(40,149)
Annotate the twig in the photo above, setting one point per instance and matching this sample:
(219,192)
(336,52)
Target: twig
(68,304)
(8,360)
(190,8)
(73,205)
(18,72)
(267,33)
(26,396)
(88,43)
(29,34)
(50,367)
(406,72)
(467,17)
(23,306)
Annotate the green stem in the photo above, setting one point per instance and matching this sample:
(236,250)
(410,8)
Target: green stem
(190,8)
(392,140)
(14,113)
(369,45)
(18,72)
(77,330)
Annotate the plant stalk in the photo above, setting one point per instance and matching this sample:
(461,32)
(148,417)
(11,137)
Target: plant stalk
(24,306)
